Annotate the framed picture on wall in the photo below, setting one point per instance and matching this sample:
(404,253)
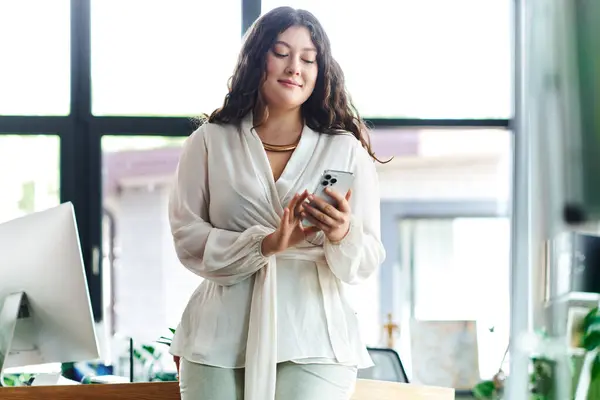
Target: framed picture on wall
(445,353)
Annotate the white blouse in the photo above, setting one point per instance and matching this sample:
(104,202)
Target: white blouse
(254,311)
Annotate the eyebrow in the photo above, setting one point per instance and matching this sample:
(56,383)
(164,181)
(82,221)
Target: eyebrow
(287,45)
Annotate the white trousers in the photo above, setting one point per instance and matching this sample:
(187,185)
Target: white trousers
(294,382)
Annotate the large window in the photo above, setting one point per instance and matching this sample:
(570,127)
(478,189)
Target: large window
(95,97)
(420,58)
(162,58)
(446,231)
(29,177)
(34,66)
(459,269)
(145,286)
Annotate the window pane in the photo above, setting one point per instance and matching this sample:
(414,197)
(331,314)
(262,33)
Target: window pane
(420,58)
(35,45)
(442,255)
(30,178)
(162,58)
(29,182)
(145,286)
(444,165)
(461,272)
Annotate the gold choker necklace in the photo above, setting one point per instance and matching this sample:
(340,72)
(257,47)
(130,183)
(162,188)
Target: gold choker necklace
(278,148)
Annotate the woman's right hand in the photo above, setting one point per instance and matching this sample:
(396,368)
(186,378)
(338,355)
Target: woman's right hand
(290,231)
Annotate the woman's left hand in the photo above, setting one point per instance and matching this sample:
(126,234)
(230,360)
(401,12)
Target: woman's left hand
(334,222)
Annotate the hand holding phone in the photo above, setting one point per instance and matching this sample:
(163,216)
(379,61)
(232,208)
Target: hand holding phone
(328,207)
(289,232)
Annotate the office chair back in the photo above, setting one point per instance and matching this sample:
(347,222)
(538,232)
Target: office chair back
(388,366)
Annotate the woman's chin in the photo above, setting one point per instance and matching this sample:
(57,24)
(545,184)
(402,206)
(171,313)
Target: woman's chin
(285,101)
(289,102)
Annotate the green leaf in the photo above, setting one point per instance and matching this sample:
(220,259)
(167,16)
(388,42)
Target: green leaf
(589,319)
(149,349)
(591,340)
(596,367)
(138,355)
(594,390)
(172,330)
(593,324)
(484,390)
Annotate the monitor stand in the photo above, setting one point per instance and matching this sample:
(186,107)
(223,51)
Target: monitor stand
(14,309)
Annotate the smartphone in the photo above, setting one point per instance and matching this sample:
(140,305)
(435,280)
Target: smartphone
(340,181)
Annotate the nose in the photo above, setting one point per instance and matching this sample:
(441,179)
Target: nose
(293,68)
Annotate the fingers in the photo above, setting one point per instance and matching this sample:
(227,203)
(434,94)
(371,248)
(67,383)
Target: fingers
(320,219)
(291,214)
(316,224)
(293,202)
(286,217)
(295,206)
(342,201)
(301,200)
(327,209)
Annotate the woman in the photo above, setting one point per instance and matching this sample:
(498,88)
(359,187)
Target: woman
(271,320)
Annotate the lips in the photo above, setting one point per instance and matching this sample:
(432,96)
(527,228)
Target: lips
(288,82)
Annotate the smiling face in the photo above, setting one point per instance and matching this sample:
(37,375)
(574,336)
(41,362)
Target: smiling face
(291,69)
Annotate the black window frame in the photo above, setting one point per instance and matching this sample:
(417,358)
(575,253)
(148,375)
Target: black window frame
(81,132)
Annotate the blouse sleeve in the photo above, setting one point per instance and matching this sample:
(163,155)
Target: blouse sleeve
(223,256)
(360,253)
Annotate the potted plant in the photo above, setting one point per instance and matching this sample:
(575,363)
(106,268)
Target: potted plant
(590,342)
(541,377)
(540,380)
(167,341)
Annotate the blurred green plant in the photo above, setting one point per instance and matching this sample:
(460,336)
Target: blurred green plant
(541,382)
(147,356)
(150,358)
(590,341)
(541,378)
(166,340)
(17,379)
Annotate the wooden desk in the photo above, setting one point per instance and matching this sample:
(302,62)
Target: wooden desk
(365,390)
(378,390)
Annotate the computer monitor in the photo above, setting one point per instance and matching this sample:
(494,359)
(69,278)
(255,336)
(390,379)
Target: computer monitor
(585,270)
(45,309)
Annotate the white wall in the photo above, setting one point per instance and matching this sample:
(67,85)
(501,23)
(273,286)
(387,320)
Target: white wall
(139,297)
(151,287)
(445,178)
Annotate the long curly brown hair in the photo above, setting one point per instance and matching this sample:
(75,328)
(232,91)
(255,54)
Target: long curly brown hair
(328,110)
